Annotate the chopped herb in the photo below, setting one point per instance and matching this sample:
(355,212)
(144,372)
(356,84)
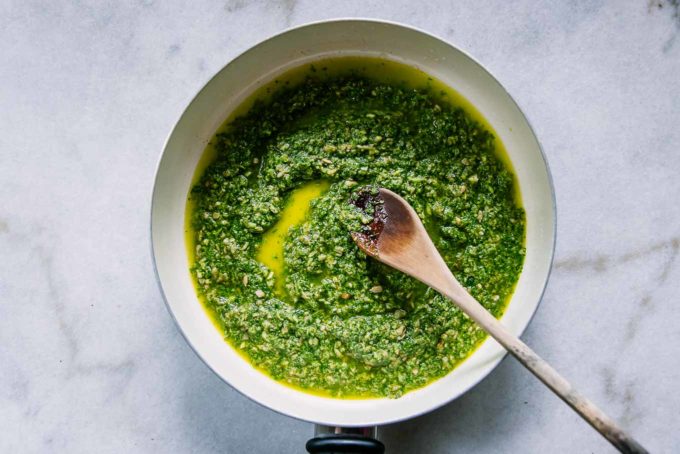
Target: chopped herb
(318,313)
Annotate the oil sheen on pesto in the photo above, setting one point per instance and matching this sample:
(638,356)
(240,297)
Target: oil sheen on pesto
(274,260)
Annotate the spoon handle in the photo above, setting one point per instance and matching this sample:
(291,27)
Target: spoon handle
(541,369)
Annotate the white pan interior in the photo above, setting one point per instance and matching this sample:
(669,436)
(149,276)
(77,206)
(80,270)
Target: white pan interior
(261,64)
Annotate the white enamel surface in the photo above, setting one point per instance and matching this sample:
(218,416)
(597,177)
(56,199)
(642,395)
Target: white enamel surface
(259,65)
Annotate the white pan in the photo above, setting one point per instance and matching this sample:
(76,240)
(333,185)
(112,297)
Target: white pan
(259,65)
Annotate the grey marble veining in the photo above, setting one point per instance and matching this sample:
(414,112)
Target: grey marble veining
(90,360)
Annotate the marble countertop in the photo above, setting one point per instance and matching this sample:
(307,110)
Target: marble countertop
(90,360)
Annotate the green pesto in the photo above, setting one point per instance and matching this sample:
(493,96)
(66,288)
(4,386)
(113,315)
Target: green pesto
(343,324)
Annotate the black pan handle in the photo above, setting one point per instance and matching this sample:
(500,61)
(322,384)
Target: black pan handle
(344,444)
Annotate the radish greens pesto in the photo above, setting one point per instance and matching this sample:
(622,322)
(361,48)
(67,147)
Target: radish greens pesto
(273,258)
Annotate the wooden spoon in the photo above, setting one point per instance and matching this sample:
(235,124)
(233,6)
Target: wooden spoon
(398,238)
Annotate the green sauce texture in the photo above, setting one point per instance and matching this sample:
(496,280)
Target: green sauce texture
(333,321)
